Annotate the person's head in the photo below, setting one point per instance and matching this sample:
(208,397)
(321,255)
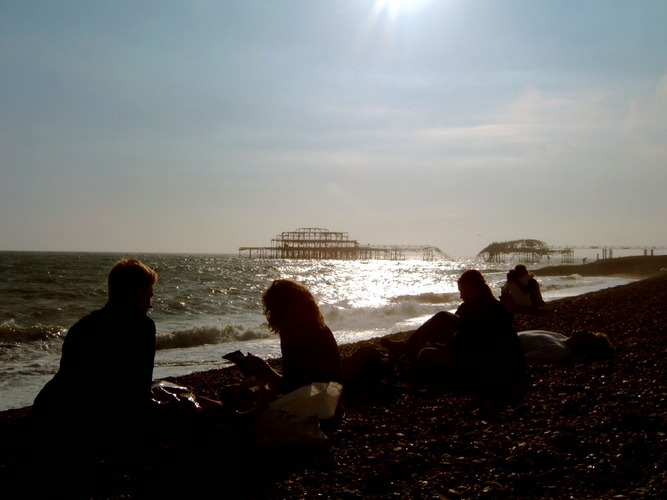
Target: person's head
(289,303)
(520,270)
(511,275)
(593,344)
(472,285)
(130,280)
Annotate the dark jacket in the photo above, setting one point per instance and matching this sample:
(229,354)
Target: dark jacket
(106,370)
(309,356)
(489,349)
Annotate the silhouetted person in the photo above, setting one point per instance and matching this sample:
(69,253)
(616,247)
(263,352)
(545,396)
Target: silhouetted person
(102,390)
(543,346)
(477,346)
(308,348)
(521,292)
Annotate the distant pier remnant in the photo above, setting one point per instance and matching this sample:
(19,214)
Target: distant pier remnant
(322,244)
(532,251)
(529,251)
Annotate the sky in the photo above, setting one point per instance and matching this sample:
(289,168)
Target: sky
(204,126)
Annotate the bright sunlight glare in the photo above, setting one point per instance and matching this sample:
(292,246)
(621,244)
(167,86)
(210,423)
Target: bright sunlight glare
(393,8)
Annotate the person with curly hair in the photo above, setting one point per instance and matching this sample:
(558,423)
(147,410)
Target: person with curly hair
(309,353)
(308,347)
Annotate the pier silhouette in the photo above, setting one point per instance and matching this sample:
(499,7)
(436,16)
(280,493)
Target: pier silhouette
(533,251)
(322,244)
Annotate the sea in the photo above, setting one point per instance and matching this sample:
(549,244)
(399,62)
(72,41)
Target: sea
(208,305)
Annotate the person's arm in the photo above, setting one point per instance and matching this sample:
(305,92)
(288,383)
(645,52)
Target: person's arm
(507,300)
(257,367)
(535,293)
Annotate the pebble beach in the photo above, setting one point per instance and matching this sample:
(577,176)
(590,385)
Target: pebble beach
(582,430)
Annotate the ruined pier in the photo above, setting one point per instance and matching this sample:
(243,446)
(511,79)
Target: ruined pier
(322,244)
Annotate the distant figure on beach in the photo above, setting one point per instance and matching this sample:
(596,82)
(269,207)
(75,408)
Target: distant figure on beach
(106,367)
(542,346)
(521,292)
(308,348)
(476,346)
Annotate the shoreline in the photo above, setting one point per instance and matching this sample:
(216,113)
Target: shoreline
(642,266)
(583,430)
(203,334)
(633,267)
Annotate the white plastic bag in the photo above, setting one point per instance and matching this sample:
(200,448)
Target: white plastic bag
(295,417)
(165,393)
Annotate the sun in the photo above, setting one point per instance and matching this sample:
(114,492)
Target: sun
(394,8)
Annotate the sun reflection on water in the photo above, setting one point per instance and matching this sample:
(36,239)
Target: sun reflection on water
(374,284)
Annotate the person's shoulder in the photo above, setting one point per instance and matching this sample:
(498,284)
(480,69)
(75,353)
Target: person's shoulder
(496,304)
(90,318)
(149,323)
(501,312)
(462,310)
(326,332)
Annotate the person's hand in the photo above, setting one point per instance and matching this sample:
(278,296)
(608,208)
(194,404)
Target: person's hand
(254,365)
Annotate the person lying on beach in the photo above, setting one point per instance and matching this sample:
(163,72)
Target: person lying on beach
(309,350)
(104,380)
(543,346)
(477,346)
(521,292)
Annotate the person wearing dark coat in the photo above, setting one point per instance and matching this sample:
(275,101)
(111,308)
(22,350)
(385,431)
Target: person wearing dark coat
(103,384)
(477,346)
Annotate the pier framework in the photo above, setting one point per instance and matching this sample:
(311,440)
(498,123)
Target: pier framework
(529,251)
(532,251)
(322,244)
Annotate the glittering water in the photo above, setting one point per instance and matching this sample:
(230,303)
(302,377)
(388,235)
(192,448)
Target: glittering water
(207,305)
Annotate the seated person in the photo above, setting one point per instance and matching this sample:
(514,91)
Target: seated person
(309,350)
(513,295)
(542,346)
(521,292)
(476,346)
(105,376)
